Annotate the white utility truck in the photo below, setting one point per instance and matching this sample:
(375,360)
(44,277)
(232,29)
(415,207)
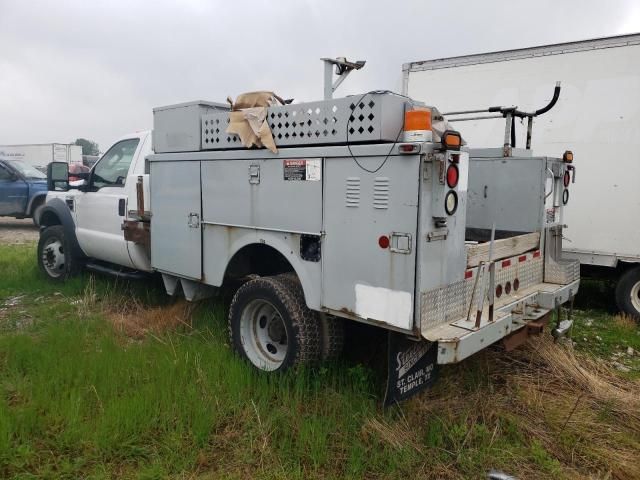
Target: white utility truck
(363,208)
(597,118)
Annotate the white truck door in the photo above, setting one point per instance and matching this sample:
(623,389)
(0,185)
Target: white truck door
(101,210)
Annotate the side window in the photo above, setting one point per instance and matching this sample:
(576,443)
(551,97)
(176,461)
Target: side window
(4,174)
(111,170)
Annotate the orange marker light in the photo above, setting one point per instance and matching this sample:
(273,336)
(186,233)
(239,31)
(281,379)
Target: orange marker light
(451,140)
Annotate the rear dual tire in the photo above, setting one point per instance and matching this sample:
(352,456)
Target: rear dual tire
(271,326)
(628,292)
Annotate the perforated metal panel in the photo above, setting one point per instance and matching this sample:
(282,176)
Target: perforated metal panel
(368,118)
(451,303)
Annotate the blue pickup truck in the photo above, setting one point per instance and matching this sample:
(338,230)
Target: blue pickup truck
(23,190)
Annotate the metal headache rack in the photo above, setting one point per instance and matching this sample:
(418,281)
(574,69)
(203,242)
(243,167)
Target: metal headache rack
(509,114)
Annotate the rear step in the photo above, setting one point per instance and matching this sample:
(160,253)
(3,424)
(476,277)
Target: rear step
(117,272)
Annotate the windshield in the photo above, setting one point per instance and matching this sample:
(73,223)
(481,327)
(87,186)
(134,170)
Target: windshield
(26,171)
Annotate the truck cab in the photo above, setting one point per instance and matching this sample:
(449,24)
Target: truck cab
(89,213)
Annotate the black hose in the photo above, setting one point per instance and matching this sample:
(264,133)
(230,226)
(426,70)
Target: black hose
(552,103)
(513,132)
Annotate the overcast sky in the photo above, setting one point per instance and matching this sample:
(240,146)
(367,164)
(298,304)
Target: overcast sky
(95,69)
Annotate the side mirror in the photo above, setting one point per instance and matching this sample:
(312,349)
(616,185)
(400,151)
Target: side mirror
(58,176)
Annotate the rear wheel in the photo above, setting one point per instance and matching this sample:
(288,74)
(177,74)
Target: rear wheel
(54,255)
(331,328)
(271,326)
(628,292)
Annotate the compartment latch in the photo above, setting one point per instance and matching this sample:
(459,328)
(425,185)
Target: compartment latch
(401,242)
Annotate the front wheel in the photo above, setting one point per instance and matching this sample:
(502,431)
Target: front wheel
(35,214)
(54,255)
(628,292)
(271,326)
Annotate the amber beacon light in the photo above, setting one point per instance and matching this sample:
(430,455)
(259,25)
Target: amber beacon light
(417,126)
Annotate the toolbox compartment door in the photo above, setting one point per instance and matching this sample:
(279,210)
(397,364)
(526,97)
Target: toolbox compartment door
(176,238)
(361,277)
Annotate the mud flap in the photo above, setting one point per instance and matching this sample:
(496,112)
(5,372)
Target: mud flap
(411,367)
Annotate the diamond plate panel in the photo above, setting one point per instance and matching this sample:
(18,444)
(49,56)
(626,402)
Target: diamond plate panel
(562,272)
(368,118)
(446,304)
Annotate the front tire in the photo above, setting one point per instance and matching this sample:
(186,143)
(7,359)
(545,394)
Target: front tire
(628,292)
(55,258)
(271,326)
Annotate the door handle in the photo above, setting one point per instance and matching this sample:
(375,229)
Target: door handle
(121,207)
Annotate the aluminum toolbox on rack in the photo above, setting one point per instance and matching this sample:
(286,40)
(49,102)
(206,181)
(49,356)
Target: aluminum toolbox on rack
(176,128)
(372,117)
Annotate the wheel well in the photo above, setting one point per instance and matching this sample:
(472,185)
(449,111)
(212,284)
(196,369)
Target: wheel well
(49,218)
(36,202)
(257,259)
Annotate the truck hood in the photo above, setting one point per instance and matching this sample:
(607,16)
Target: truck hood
(37,184)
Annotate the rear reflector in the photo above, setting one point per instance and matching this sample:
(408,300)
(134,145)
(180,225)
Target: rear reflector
(522,258)
(383,241)
(536,254)
(407,148)
(506,263)
(468,274)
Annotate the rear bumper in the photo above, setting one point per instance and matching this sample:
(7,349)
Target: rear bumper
(461,339)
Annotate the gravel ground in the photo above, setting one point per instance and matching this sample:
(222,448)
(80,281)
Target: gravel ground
(14,231)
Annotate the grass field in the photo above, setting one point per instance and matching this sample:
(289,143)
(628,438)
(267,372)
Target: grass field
(103,379)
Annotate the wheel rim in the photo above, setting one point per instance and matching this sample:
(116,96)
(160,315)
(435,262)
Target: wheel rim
(263,335)
(53,258)
(635,296)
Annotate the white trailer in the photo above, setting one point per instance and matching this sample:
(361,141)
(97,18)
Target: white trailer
(39,155)
(597,117)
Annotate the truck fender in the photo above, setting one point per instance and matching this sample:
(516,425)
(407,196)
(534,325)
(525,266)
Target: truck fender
(56,212)
(309,273)
(34,200)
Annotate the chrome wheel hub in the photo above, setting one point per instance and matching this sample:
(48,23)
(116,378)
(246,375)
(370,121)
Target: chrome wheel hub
(635,296)
(53,257)
(263,335)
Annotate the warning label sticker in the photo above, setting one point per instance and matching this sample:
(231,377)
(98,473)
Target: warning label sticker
(302,169)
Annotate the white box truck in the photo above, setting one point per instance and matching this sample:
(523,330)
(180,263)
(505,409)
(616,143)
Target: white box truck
(597,117)
(39,155)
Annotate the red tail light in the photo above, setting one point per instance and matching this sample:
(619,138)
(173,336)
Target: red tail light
(453,175)
(383,241)
(566,179)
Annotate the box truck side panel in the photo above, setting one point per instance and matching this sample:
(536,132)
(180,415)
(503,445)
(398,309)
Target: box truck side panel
(597,117)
